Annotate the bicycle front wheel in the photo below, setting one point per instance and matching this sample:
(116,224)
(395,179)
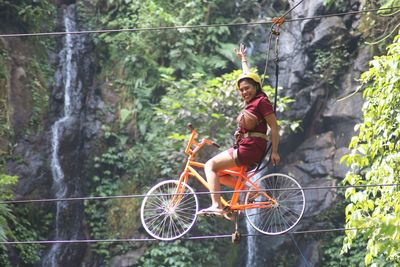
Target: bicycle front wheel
(169,210)
(280,204)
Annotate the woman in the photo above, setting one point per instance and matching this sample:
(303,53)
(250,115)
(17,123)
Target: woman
(251,136)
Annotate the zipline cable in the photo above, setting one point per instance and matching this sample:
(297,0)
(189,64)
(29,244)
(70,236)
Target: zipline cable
(205,237)
(290,10)
(191,26)
(197,193)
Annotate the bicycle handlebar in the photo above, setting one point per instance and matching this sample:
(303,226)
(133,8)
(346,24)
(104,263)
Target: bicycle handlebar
(190,126)
(194,134)
(215,144)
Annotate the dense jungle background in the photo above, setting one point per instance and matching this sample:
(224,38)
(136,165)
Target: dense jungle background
(105,114)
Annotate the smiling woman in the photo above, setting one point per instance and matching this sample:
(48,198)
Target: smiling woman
(249,85)
(251,136)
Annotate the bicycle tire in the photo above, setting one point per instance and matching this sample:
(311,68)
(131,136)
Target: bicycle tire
(161,217)
(285,214)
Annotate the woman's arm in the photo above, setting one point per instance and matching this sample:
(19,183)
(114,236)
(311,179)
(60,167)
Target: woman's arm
(271,120)
(241,53)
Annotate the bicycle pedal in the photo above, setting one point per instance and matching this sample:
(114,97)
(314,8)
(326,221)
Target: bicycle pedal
(229,216)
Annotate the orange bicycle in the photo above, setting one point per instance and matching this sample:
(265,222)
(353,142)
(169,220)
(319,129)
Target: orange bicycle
(273,204)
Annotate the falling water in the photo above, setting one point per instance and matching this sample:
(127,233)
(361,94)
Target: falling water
(69,73)
(251,245)
(252,248)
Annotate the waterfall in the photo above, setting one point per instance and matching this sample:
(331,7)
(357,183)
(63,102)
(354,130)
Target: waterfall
(252,248)
(252,252)
(69,77)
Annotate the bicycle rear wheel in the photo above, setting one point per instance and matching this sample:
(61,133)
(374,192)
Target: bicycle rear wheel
(168,212)
(281,216)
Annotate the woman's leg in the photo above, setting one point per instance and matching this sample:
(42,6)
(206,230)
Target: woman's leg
(219,162)
(228,180)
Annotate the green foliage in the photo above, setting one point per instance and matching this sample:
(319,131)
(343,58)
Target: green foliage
(332,256)
(374,159)
(332,243)
(134,58)
(192,252)
(4,79)
(23,227)
(14,227)
(328,64)
(168,255)
(378,28)
(41,73)
(4,72)
(345,6)
(388,4)
(28,14)
(113,172)
(184,254)
(337,5)
(6,183)
(5,212)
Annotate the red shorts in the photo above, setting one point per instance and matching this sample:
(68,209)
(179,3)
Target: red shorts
(250,151)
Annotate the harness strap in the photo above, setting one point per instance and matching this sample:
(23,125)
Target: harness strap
(256,134)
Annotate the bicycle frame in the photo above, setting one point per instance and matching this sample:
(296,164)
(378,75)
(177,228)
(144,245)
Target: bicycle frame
(167,216)
(240,172)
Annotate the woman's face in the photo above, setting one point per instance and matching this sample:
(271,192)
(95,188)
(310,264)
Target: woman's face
(247,90)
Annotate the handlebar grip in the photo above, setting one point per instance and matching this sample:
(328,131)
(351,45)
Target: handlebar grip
(190,126)
(215,144)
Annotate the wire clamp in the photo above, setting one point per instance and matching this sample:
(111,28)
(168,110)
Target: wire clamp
(278,21)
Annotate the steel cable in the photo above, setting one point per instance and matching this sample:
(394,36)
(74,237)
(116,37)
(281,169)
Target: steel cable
(19,201)
(205,237)
(191,26)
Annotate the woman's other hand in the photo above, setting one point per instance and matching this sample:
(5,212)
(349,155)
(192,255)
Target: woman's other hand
(275,158)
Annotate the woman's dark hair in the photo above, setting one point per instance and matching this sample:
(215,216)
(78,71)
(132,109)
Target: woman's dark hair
(252,82)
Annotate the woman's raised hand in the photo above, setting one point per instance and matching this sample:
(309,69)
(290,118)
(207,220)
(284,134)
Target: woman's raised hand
(241,53)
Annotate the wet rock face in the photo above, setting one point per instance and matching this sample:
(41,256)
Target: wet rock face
(16,89)
(29,162)
(328,32)
(21,104)
(29,157)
